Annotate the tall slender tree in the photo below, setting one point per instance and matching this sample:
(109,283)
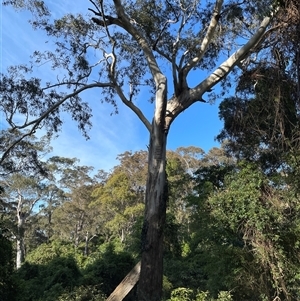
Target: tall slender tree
(21,177)
(136,42)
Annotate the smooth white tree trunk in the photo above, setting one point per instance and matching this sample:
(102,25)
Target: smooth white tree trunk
(20,256)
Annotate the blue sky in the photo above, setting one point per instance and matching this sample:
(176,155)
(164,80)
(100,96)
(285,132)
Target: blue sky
(110,135)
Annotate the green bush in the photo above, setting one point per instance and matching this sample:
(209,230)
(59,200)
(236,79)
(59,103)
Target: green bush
(8,284)
(47,282)
(182,294)
(186,294)
(108,268)
(83,293)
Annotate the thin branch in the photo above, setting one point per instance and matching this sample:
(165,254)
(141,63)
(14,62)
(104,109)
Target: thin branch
(36,122)
(56,105)
(133,107)
(119,91)
(33,204)
(96,13)
(206,40)
(163,54)
(159,78)
(96,6)
(165,26)
(175,68)
(174,54)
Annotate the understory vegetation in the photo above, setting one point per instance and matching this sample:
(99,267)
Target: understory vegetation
(232,229)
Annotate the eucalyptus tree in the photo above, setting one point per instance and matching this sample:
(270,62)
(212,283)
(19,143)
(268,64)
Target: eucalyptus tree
(179,50)
(54,192)
(74,219)
(181,164)
(119,205)
(120,196)
(21,177)
(23,195)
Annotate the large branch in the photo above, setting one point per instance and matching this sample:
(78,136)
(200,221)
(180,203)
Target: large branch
(178,104)
(126,285)
(36,122)
(159,78)
(134,108)
(126,24)
(225,68)
(207,39)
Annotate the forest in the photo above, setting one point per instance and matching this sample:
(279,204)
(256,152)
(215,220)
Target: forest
(231,229)
(221,225)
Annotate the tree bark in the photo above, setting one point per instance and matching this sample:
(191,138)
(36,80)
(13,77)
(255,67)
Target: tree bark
(150,283)
(20,240)
(86,245)
(21,218)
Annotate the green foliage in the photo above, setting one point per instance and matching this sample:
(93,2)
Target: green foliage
(182,294)
(83,293)
(120,202)
(167,287)
(8,284)
(241,235)
(107,268)
(261,122)
(47,252)
(172,246)
(246,235)
(224,296)
(185,294)
(185,272)
(56,272)
(47,282)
